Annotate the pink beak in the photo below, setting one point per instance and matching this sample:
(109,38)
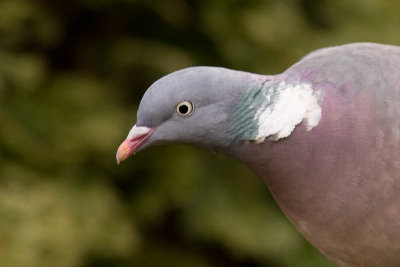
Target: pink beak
(137,137)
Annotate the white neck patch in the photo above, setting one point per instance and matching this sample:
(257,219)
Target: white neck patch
(294,104)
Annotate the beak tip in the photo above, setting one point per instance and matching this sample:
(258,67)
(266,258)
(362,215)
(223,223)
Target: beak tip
(124,151)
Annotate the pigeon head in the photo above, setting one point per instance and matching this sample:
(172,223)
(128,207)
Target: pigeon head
(216,108)
(190,106)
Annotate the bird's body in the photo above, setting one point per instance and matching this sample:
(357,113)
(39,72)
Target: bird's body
(324,136)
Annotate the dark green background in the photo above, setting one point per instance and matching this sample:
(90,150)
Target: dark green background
(71,76)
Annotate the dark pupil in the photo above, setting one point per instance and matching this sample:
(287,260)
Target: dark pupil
(183,109)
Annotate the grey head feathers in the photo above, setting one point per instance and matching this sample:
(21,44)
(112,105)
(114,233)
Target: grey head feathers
(212,91)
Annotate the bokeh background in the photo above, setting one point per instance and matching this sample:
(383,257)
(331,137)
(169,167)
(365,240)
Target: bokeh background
(71,76)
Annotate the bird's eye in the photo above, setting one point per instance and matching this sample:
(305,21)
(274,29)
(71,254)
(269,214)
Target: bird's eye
(184,109)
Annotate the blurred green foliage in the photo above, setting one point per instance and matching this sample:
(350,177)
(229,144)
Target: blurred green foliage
(71,76)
